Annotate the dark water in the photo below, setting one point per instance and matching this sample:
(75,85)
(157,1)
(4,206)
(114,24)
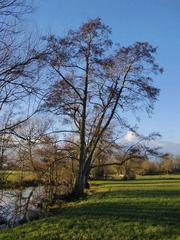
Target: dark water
(19,205)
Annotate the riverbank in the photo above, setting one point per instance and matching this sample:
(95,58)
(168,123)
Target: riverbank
(144,209)
(15,179)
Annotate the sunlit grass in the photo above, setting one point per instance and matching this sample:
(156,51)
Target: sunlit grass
(141,209)
(13,179)
(18,175)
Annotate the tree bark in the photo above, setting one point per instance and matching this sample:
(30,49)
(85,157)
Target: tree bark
(78,190)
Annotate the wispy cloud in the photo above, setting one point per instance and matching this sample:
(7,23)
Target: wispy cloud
(170,147)
(166,146)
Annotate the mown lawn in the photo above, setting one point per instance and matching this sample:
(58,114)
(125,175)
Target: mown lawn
(146,208)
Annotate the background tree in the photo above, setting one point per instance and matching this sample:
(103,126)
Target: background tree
(129,159)
(177,164)
(166,164)
(29,136)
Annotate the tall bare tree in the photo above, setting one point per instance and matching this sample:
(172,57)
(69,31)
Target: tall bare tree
(95,83)
(19,65)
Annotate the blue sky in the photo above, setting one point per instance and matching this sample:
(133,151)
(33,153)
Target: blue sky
(156,21)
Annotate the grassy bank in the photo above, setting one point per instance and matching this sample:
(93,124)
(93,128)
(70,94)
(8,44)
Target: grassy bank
(141,209)
(15,179)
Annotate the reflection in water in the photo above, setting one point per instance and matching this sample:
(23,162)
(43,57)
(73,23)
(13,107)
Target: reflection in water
(20,205)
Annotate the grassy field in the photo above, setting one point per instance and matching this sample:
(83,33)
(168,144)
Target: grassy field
(14,179)
(146,208)
(15,176)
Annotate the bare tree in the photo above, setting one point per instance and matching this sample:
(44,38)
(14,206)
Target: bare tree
(19,65)
(95,84)
(29,135)
(130,156)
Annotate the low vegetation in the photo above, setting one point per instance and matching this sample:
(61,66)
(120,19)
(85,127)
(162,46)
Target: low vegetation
(146,208)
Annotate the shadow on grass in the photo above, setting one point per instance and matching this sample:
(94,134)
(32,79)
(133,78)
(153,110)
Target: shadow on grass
(153,213)
(143,218)
(131,205)
(119,215)
(139,194)
(159,212)
(136,182)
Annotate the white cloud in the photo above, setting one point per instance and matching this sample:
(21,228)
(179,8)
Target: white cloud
(165,146)
(130,136)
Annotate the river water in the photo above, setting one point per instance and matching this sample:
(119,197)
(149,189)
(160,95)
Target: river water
(19,205)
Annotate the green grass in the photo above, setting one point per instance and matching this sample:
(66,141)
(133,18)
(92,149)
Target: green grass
(14,179)
(147,208)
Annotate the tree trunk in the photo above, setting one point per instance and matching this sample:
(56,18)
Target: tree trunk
(78,190)
(81,182)
(87,184)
